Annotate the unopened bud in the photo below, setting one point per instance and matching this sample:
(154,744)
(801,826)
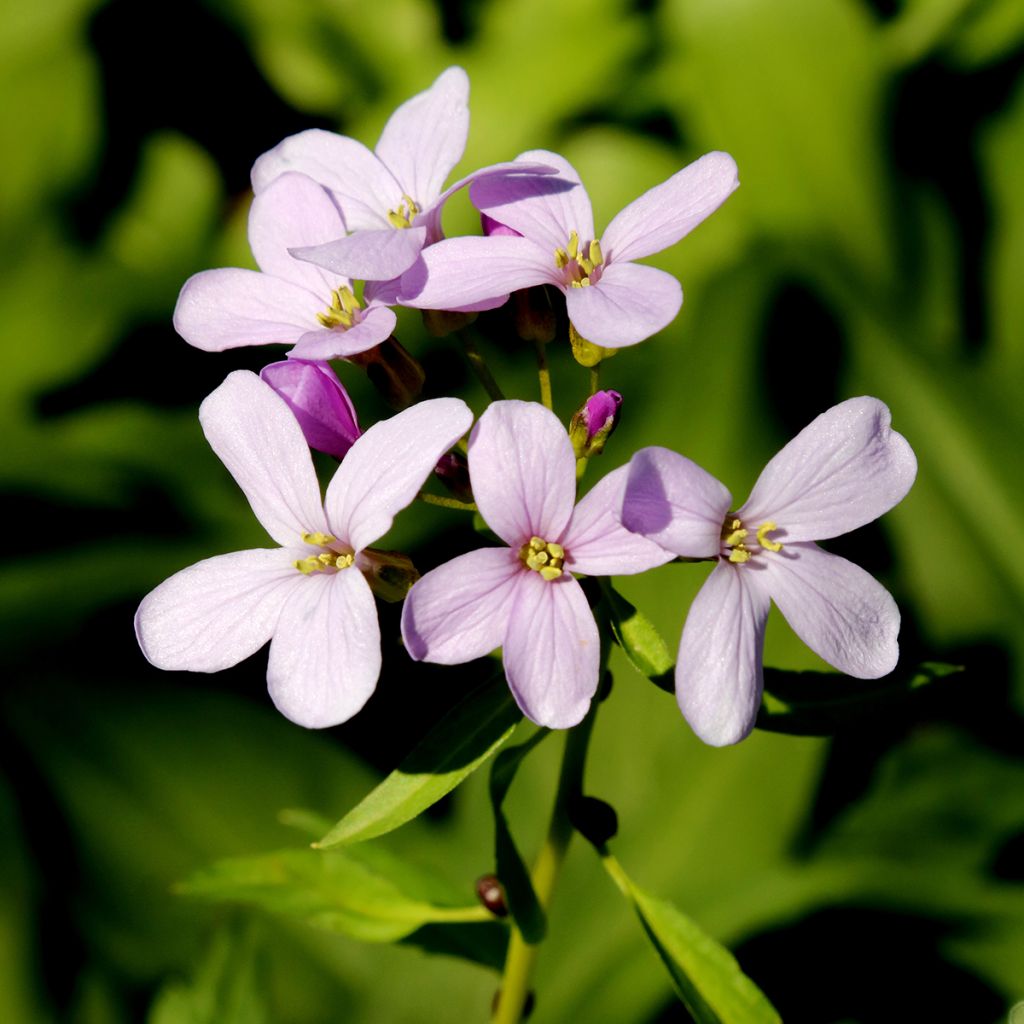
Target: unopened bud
(491,893)
(533,314)
(320,403)
(594,422)
(393,372)
(452,470)
(594,819)
(586,353)
(389,573)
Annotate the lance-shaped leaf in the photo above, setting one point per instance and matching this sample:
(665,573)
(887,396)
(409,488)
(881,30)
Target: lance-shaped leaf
(462,741)
(638,638)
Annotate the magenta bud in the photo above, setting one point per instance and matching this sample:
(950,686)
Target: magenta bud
(452,470)
(318,400)
(594,422)
(495,227)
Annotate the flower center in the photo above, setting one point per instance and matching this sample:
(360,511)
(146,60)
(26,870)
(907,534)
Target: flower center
(328,560)
(344,310)
(404,214)
(736,545)
(543,556)
(577,268)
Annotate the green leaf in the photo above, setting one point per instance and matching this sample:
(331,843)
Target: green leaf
(822,703)
(636,635)
(705,974)
(466,737)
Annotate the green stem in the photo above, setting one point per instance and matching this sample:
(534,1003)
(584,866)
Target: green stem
(543,374)
(595,379)
(437,499)
(480,368)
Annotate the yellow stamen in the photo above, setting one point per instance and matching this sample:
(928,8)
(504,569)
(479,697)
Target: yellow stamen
(543,557)
(762,537)
(405,214)
(342,310)
(739,555)
(320,539)
(736,533)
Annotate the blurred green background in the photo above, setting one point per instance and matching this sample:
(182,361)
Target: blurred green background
(876,246)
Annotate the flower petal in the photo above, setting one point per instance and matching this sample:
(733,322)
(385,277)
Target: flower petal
(545,209)
(217,612)
(718,673)
(459,272)
(368,255)
(840,611)
(227,308)
(523,472)
(325,656)
(843,470)
(597,544)
(675,503)
(667,212)
(460,610)
(552,651)
(629,303)
(387,466)
(426,136)
(294,211)
(377,325)
(364,187)
(255,435)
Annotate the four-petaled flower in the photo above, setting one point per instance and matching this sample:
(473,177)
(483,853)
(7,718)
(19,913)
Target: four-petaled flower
(845,469)
(309,594)
(611,301)
(524,597)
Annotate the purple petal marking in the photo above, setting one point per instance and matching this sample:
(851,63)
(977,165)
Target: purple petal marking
(368,255)
(840,611)
(255,435)
(629,303)
(229,307)
(217,612)
(543,208)
(377,325)
(674,502)
(843,470)
(551,651)
(426,136)
(325,655)
(523,471)
(597,544)
(387,466)
(718,672)
(669,211)
(461,610)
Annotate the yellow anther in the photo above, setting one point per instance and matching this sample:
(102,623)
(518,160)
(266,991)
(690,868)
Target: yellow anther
(405,214)
(308,565)
(320,539)
(762,537)
(550,572)
(735,537)
(594,253)
(556,550)
(739,555)
(543,557)
(561,258)
(574,244)
(537,544)
(344,561)
(342,310)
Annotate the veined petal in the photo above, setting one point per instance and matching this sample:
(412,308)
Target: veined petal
(671,210)
(458,272)
(230,307)
(523,472)
(628,304)
(718,673)
(325,655)
(551,651)
(294,211)
(597,544)
(255,435)
(377,325)
(675,503)
(378,255)
(217,612)
(843,470)
(460,610)
(545,209)
(840,611)
(387,466)
(426,136)
(365,189)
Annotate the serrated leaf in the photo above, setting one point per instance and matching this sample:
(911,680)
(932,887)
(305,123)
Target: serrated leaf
(639,639)
(462,741)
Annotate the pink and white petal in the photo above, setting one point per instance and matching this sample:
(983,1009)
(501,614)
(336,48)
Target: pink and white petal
(597,544)
(426,136)
(669,211)
(459,272)
(523,472)
(377,325)
(675,503)
(387,466)
(259,440)
(325,655)
(294,211)
(629,303)
(545,208)
(230,307)
(843,470)
(460,610)
(840,611)
(365,189)
(217,612)
(368,255)
(718,673)
(552,651)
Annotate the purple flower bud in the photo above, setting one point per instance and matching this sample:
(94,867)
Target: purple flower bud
(453,471)
(593,423)
(495,227)
(318,400)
